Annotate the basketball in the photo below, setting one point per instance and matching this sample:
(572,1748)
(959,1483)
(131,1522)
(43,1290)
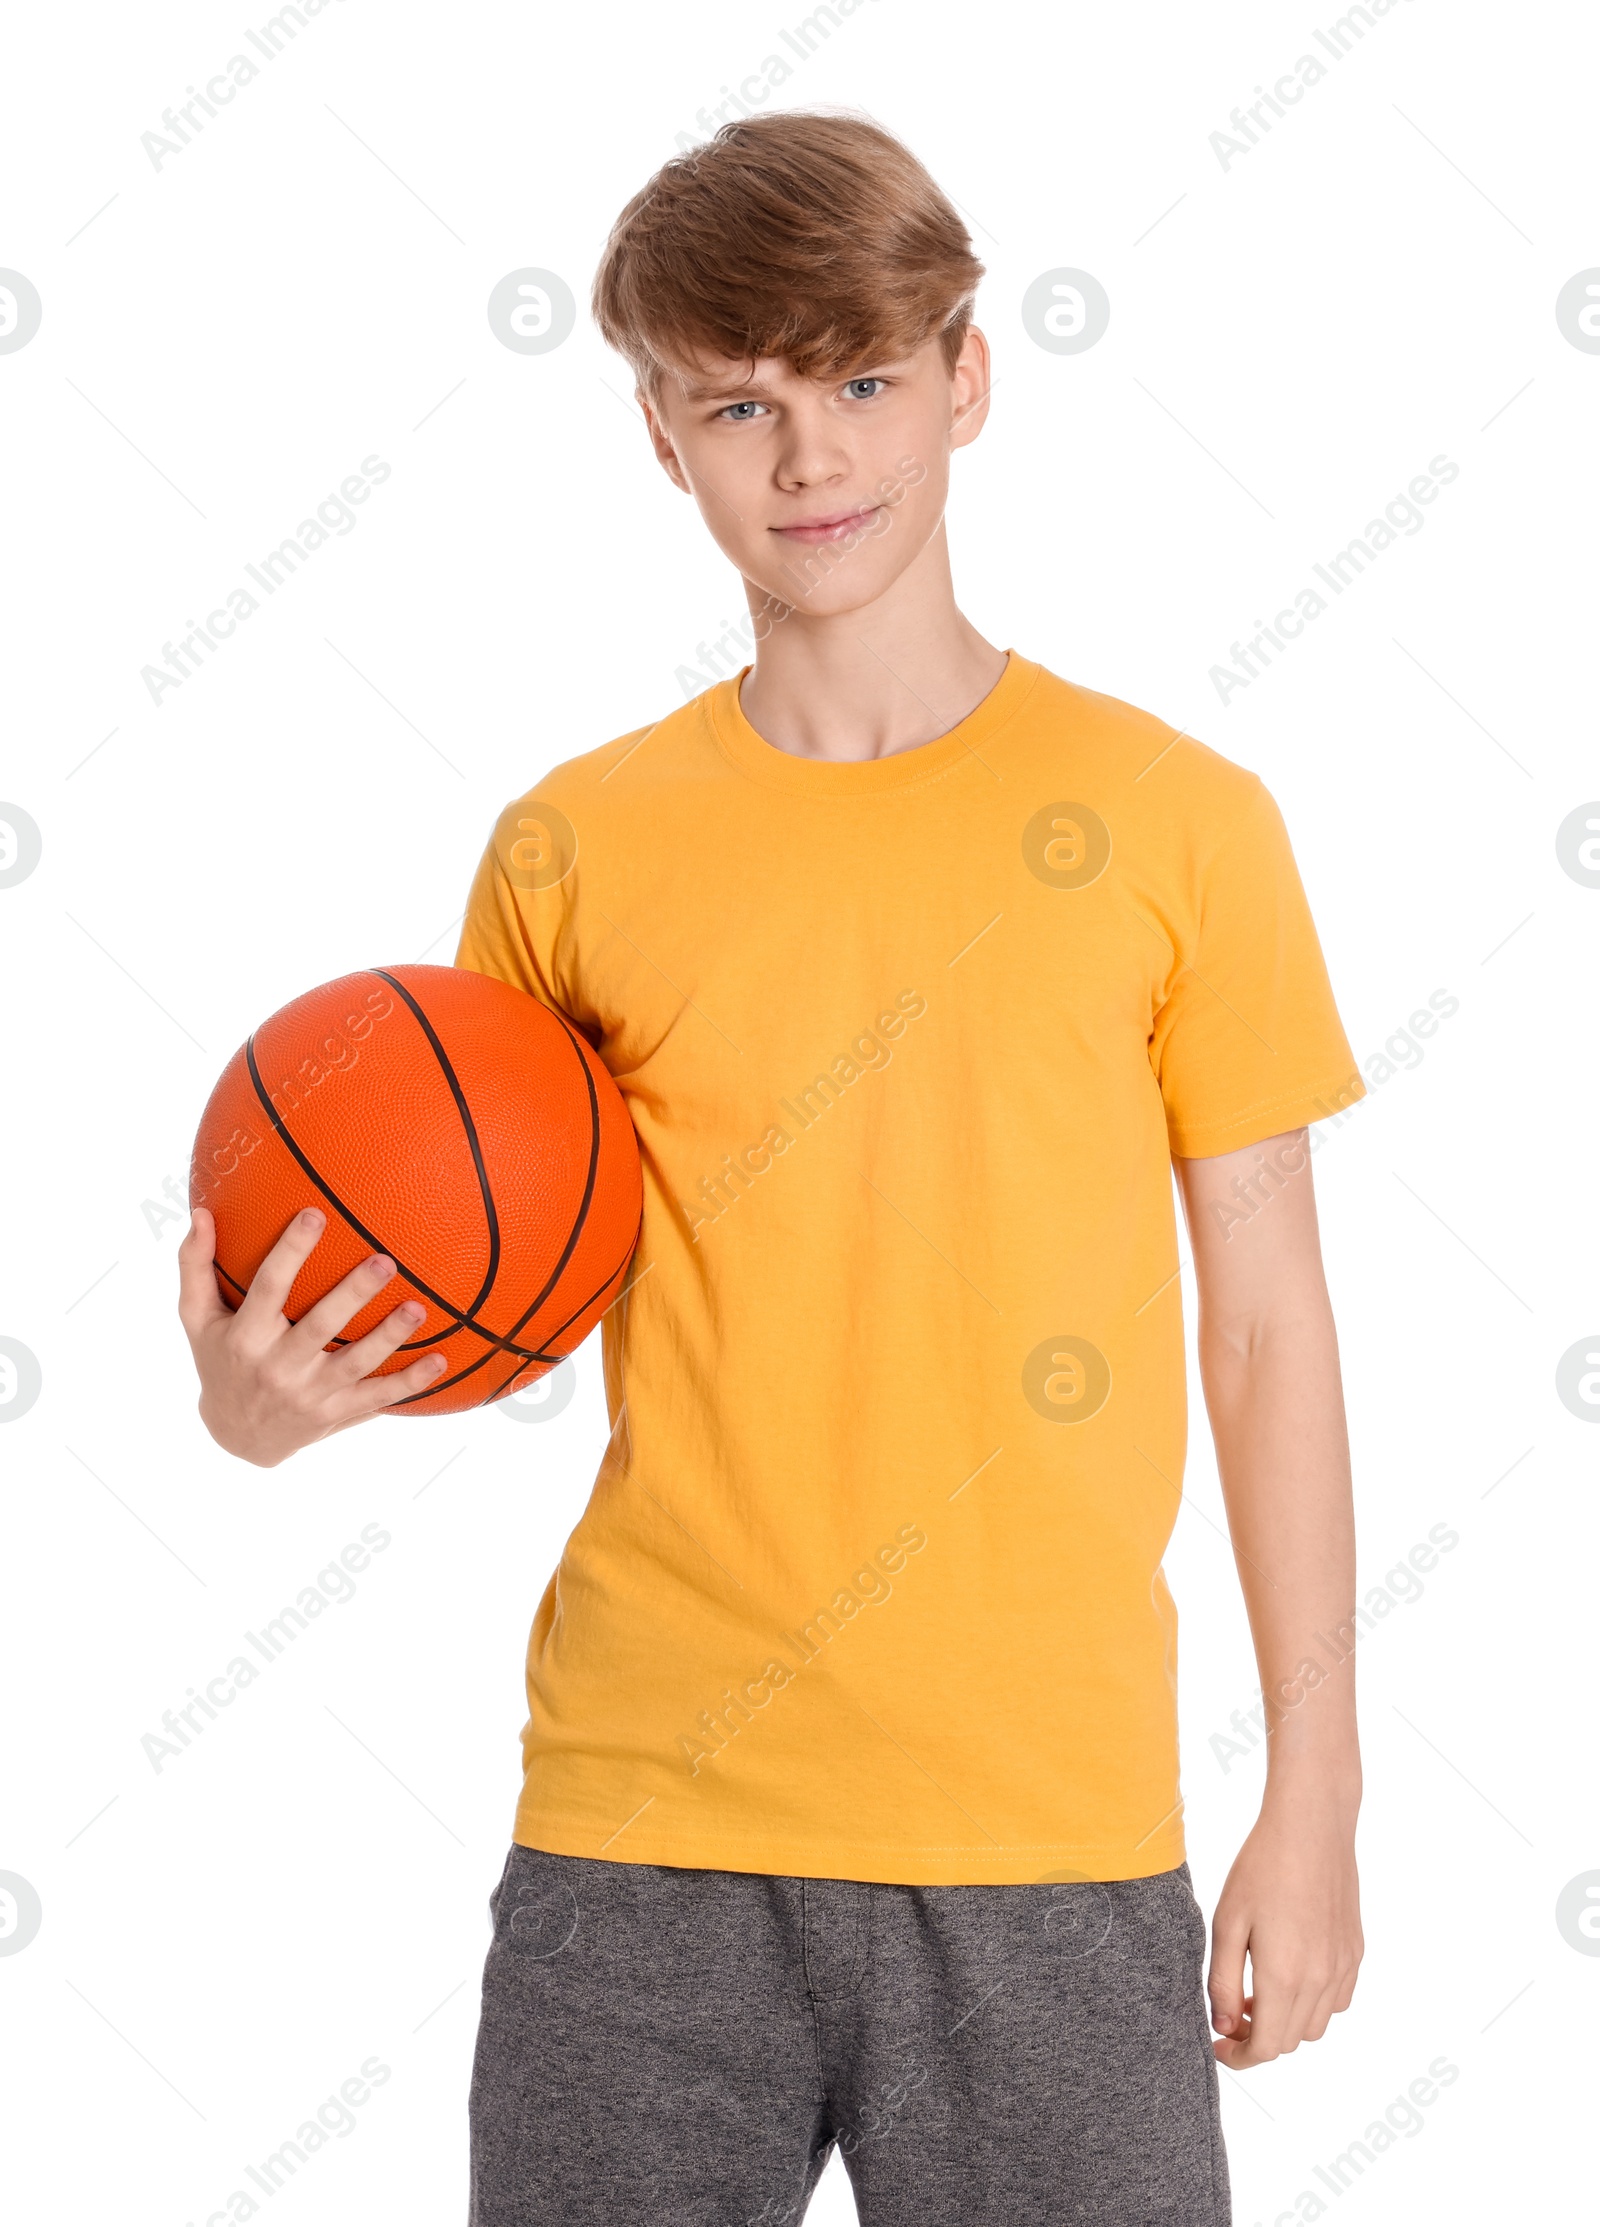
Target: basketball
(453,1123)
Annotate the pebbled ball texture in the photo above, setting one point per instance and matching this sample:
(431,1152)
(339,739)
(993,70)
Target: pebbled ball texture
(455,1124)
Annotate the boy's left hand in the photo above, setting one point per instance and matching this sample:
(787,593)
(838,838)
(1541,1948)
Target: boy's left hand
(1292,1902)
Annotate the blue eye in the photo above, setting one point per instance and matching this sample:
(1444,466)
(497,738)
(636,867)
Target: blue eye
(735,412)
(853,388)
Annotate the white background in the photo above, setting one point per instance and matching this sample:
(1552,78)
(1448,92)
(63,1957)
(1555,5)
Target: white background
(1292,339)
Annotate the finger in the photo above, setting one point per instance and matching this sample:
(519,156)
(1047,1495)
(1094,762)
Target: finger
(1231,2049)
(199,1301)
(1294,2025)
(1225,1982)
(321,1323)
(375,1393)
(1271,2028)
(1335,1997)
(365,1354)
(1244,2054)
(269,1287)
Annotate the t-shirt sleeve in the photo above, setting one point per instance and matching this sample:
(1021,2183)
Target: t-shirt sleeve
(518,918)
(1247,1041)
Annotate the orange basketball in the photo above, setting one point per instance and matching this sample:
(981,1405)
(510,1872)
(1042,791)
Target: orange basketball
(453,1123)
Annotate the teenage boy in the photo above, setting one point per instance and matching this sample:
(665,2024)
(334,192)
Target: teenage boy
(850,1811)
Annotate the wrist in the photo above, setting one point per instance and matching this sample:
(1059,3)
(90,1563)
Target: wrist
(1319,1785)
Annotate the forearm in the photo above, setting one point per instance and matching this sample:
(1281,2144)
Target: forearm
(1269,1361)
(1277,1417)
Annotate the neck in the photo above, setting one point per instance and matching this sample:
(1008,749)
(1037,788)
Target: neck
(897,672)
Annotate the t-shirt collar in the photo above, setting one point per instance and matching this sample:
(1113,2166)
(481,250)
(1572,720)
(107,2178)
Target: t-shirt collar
(858,777)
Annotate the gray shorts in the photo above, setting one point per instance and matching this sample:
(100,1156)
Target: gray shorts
(685,2048)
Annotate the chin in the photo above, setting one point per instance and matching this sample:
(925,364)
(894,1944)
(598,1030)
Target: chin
(830,603)
(846,580)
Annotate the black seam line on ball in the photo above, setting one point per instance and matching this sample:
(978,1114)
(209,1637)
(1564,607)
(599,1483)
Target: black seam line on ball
(555,1275)
(574,1234)
(465,1111)
(445,1306)
(594,1295)
(445,1382)
(551,1359)
(492,1219)
(582,1216)
(506,1344)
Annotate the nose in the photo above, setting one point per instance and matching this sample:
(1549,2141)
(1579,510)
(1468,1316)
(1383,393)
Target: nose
(812,451)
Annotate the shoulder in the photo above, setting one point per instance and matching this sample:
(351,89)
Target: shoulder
(657,751)
(605,800)
(1148,772)
(609,807)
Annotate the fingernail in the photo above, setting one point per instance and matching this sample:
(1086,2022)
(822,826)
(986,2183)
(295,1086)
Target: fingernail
(311,1218)
(383,1264)
(413,1310)
(435,1363)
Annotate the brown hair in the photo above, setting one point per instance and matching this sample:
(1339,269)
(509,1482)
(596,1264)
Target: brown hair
(816,238)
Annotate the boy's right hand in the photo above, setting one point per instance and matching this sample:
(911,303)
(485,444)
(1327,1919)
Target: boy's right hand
(267,1387)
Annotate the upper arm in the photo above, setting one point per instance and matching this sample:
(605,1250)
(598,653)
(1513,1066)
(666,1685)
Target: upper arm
(1252,1220)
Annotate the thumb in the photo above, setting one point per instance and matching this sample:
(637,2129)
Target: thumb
(199,1300)
(1230,1937)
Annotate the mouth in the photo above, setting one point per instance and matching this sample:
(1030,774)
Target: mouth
(842,526)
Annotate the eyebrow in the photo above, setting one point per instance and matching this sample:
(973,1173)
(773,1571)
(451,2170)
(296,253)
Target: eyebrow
(742,389)
(759,389)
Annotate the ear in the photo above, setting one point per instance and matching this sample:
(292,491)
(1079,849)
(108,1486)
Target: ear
(969,389)
(661,440)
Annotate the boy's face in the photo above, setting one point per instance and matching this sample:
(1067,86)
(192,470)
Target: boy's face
(822,491)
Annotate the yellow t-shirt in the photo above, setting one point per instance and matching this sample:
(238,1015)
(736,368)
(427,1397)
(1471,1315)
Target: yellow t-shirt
(869,1585)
